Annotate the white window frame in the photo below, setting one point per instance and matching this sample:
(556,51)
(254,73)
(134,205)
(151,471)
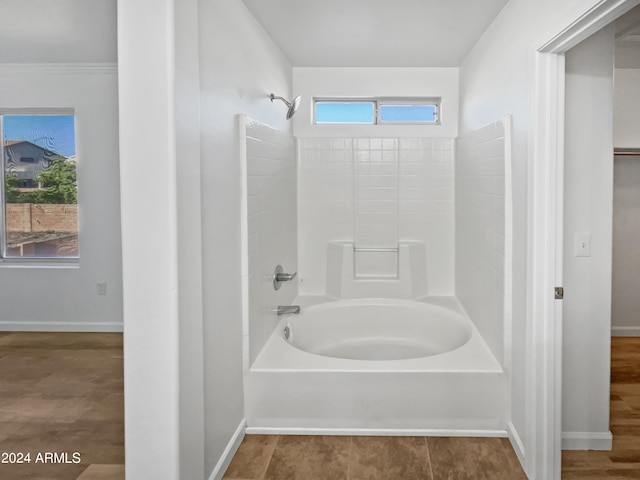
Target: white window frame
(377,103)
(37,262)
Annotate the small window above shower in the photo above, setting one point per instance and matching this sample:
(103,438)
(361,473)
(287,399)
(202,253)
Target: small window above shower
(377,111)
(345,111)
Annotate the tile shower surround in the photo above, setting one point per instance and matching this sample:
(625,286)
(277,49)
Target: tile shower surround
(480,231)
(375,191)
(270,203)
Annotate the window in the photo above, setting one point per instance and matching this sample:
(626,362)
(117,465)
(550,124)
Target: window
(345,112)
(395,112)
(39,190)
(378,111)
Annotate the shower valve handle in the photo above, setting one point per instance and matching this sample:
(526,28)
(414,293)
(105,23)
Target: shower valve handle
(279,276)
(285,277)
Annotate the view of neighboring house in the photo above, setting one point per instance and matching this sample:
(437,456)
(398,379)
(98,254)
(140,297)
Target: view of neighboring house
(26,160)
(36,228)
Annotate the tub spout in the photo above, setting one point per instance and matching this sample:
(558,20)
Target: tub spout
(284,309)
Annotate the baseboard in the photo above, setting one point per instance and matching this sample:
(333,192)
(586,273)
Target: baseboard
(396,432)
(229,451)
(60,327)
(516,442)
(625,331)
(587,440)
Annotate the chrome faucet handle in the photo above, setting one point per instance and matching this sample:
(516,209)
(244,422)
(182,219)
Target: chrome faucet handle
(285,277)
(279,276)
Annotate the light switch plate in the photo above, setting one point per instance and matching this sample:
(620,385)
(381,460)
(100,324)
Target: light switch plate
(582,245)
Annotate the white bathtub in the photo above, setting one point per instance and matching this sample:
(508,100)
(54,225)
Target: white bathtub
(376,329)
(376,367)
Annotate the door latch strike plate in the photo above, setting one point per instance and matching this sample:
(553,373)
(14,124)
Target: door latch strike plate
(559,293)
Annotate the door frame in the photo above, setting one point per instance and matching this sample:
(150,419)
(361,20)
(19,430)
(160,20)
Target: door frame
(545,239)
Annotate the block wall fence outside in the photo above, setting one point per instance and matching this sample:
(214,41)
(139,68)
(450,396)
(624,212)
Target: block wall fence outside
(335,173)
(32,217)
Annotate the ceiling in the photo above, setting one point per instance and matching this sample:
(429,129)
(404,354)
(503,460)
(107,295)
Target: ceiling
(628,39)
(61,31)
(375,33)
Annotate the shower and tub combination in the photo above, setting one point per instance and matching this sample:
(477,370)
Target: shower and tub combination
(368,337)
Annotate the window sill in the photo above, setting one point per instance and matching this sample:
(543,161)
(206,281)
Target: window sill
(40,263)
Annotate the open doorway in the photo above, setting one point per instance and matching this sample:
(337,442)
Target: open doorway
(547,248)
(549,243)
(593,407)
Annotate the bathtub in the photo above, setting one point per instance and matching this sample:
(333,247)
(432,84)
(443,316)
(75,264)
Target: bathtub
(376,329)
(376,367)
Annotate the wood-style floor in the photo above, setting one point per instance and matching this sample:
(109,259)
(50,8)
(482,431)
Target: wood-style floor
(62,393)
(623,462)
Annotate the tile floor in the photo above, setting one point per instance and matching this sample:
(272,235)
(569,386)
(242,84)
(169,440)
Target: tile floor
(289,457)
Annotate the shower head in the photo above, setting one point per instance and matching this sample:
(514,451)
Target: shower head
(292,106)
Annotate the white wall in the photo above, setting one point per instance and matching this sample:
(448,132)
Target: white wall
(336,174)
(189,242)
(626,202)
(181,231)
(64,31)
(588,209)
(495,80)
(626,118)
(625,301)
(310,82)
(54,56)
(64,297)
(481,230)
(152,334)
(239,67)
(270,231)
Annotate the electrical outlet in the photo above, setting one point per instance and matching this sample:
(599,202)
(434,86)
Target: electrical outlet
(101,288)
